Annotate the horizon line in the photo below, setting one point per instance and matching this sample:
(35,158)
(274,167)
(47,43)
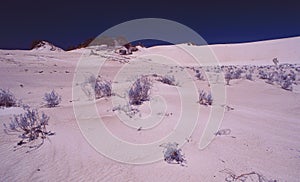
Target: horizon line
(166,43)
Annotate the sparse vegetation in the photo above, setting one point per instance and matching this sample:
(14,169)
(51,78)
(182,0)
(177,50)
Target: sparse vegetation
(128,109)
(262,74)
(102,89)
(168,79)
(227,77)
(173,154)
(251,176)
(7,99)
(236,73)
(223,132)
(286,84)
(199,75)
(140,91)
(283,75)
(52,99)
(205,98)
(275,61)
(31,124)
(248,76)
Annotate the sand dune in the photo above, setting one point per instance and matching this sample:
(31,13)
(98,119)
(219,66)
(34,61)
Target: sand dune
(259,52)
(264,123)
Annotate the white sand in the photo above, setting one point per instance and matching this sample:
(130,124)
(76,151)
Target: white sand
(264,123)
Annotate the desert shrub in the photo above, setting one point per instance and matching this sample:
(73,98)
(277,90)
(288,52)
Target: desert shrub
(275,61)
(128,109)
(270,78)
(223,132)
(7,99)
(52,99)
(88,86)
(205,98)
(286,84)
(283,76)
(103,88)
(231,176)
(262,74)
(168,79)
(236,74)
(31,124)
(140,91)
(286,80)
(228,77)
(292,75)
(275,76)
(199,75)
(249,76)
(173,154)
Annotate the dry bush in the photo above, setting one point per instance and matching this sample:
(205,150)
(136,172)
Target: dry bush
(31,125)
(250,176)
(52,99)
(205,98)
(7,99)
(103,88)
(168,79)
(140,91)
(97,86)
(173,154)
(199,75)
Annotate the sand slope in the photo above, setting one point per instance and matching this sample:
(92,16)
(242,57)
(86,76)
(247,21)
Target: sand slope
(264,123)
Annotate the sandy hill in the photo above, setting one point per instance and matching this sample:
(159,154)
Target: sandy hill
(256,53)
(258,139)
(44,46)
(286,50)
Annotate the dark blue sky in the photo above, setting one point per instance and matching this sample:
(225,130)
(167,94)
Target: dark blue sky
(69,23)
